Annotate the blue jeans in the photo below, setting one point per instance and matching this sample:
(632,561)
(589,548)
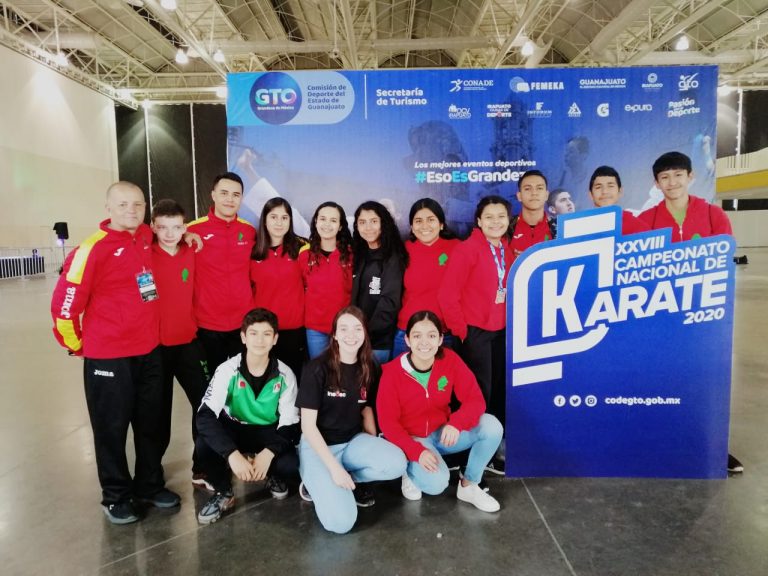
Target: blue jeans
(365,457)
(400,346)
(382,355)
(482,441)
(317,342)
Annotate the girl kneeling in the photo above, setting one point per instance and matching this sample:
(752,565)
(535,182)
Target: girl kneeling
(339,446)
(415,414)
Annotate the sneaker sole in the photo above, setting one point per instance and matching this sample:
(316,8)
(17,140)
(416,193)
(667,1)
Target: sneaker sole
(162,505)
(495,471)
(365,504)
(304,494)
(279,495)
(119,521)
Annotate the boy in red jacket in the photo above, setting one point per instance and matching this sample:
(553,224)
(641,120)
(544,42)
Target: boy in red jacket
(689,216)
(605,190)
(108,281)
(222,284)
(183,357)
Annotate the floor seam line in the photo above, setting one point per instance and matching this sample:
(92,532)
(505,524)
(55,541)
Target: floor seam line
(549,530)
(237,511)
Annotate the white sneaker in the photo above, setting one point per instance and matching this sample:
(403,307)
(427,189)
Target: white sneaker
(409,489)
(304,493)
(475,495)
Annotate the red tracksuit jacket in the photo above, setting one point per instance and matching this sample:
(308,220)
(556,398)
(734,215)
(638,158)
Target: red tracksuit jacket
(405,409)
(99,281)
(328,289)
(524,235)
(701,219)
(421,282)
(278,286)
(631,224)
(467,294)
(222,282)
(175,277)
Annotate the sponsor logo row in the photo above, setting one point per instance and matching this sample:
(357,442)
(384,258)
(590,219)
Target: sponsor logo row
(674,109)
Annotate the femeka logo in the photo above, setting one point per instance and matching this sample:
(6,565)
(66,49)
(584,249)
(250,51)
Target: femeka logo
(688,82)
(458,85)
(592,277)
(517,85)
(684,107)
(275,98)
(652,82)
(591,83)
(604,110)
(638,108)
(574,111)
(456,113)
(118,251)
(539,111)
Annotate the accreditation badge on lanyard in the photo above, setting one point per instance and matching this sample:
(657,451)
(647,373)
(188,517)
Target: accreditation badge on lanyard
(501,292)
(147,288)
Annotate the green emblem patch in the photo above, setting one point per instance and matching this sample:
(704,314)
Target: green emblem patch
(442,383)
(240,237)
(184,275)
(442,259)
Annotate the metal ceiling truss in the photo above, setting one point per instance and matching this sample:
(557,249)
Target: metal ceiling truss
(126,49)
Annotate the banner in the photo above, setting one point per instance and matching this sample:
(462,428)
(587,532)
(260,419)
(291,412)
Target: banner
(457,135)
(619,353)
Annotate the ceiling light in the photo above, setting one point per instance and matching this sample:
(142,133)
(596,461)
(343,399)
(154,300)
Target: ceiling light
(168,4)
(218,56)
(61,59)
(682,43)
(528,48)
(181,56)
(221,91)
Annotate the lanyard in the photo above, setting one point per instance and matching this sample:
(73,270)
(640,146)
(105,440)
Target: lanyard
(499,264)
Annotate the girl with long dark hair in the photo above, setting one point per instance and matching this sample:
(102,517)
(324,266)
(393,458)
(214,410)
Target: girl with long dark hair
(326,269)
(380,260)
(276,279)
(429,248)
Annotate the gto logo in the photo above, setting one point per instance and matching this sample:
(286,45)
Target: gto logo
(688,82)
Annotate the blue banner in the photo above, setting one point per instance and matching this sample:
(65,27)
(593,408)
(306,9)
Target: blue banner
(619,353)
(458,135)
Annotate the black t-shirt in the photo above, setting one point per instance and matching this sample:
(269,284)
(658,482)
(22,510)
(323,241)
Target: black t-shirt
(339,416)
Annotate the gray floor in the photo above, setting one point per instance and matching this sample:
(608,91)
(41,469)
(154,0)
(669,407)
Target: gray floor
(51,521)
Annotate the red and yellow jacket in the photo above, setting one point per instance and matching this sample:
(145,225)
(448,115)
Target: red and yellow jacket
(222,282)
(406,409)
(99,282)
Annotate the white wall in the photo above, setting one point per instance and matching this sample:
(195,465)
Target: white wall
(58,153)
(749,227)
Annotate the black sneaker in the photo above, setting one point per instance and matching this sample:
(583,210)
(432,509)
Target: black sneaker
(162,499)
(216,506)
(495,466)
(364,496)
(121,513)
(734,465)
(277,487)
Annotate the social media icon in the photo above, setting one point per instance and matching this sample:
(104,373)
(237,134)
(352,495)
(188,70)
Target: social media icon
(559,401)
(590,401)
(575,401)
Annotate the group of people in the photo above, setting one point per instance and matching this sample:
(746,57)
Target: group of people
(329,362)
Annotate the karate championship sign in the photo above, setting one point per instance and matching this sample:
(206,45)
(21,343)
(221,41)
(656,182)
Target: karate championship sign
(619,353)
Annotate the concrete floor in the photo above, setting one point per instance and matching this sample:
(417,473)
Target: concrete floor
(51,521)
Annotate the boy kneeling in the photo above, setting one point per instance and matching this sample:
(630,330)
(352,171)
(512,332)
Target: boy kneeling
(249,408)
